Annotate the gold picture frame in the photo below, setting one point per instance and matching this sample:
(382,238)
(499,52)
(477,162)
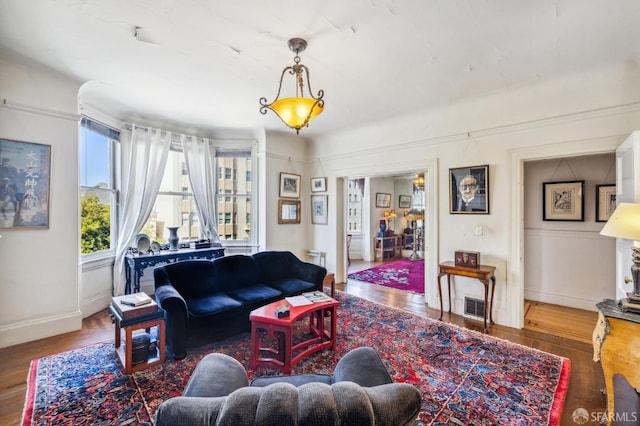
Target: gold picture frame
(288,211)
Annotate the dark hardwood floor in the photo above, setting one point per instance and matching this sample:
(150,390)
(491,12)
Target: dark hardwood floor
(585,386)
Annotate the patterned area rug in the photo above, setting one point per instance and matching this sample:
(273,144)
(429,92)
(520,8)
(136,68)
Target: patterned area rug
(464,377)
(403,274)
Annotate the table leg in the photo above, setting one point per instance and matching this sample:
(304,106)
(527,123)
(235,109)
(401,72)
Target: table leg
(332,311)
(440,295)
(118,334)
(288,345)
(255,344)
(493,292)
(486,301)
(449,290)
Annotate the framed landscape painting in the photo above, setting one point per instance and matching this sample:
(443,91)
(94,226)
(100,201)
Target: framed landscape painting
(289,185)
(319,209)
(319,184)
(25,175)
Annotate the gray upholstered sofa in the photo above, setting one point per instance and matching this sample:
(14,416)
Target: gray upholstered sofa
(360,392)
(211,300)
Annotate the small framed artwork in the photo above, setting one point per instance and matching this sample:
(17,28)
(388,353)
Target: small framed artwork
(319,184)
(25,175)
(288,211)
(470,259)
(404,202)
(383,200)
(319,209)
(469,190)
(289,185)
(563,201)
(605,201)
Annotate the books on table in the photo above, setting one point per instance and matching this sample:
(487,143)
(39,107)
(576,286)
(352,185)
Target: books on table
(316,296)
(307,298)
(298,300)
(137,299)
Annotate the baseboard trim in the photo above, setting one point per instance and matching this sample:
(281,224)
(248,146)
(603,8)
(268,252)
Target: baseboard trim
(40,328)
(557,299)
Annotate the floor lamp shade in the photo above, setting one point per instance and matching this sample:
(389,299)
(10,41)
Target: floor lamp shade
(625,223)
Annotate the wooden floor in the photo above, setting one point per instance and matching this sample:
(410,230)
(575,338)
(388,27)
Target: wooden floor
(584,390)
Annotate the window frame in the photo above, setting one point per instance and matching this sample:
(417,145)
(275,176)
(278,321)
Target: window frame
(113,191)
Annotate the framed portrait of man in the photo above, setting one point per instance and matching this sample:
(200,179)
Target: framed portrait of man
(469,190)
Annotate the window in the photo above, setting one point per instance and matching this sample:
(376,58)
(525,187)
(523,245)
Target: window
(98,196)
(175,205)
(234,195)
(355,188)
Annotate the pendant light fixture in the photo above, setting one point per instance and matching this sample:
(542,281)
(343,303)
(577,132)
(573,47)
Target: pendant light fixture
(298,111)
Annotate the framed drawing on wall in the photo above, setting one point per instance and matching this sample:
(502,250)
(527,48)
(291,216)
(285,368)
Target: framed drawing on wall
(563,201)
(25,175)
(469,190)
(318,184)
(383,200)
(289,185)
(288,211)
(404,202)
(319,209)
(605,201)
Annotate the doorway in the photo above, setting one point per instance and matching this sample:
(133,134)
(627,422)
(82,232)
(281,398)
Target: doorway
(545,242)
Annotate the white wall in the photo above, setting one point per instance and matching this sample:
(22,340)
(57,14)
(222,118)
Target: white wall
(39,280)
(588,113)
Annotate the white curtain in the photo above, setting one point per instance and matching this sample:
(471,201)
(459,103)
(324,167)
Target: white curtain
(199,155)
(143,160)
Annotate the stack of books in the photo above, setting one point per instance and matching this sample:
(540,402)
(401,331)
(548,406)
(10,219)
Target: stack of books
(631,303)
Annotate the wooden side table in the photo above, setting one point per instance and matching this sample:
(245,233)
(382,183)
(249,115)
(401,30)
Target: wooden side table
(616,344)
(145,319)
(483,273)
(286,354)
(382,245)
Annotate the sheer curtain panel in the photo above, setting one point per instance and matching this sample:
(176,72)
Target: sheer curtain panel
(143,160)
(199,155)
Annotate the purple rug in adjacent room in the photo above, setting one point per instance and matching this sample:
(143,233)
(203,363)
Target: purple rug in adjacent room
(403,274)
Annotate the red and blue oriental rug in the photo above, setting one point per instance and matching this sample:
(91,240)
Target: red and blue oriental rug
(464,377)
(402,274)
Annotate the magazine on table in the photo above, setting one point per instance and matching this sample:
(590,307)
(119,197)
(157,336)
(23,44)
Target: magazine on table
(298,300)
(316,296)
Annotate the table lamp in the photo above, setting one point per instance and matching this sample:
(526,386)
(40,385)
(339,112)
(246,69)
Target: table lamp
(625,223)
(414,215)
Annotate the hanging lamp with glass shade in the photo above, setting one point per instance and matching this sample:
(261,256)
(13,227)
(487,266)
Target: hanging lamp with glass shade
(298,111)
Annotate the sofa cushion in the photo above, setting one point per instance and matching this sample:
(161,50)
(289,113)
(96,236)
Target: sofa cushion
(289,286)
(254,293)
(212,304)
(274,265)
(235,271)
(192,279)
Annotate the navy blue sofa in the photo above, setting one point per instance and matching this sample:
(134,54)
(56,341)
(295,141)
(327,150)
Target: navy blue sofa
(210,300)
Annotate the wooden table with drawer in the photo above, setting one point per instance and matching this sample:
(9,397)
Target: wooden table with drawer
(483,273)
(616,344)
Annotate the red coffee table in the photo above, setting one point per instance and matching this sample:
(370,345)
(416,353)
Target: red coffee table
(286,355)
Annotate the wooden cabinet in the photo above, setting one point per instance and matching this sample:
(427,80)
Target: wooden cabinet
(387,247)
(616,344)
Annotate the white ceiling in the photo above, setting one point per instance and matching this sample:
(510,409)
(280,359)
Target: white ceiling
(205,64)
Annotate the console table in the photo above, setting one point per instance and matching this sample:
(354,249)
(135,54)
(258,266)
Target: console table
(483,273)
(135,263)
(384,245)
(616,344)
